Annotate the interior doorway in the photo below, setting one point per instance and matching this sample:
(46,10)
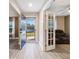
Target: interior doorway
(27,30)
(30,29)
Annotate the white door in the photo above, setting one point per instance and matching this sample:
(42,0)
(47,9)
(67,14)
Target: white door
(50,32)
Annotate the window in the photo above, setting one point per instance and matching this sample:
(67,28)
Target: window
(10,24)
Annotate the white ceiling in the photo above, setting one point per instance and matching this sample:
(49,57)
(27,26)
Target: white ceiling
(36,5)
(59,7)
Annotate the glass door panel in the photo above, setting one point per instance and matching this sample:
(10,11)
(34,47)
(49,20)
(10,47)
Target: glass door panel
(11,28)
(50,32)
(50,28)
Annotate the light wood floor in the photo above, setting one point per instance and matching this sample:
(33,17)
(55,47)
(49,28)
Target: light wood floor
(32,51)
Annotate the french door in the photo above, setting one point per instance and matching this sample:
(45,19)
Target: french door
(50,32)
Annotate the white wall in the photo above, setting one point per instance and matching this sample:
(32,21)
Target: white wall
(67,24)
(41,31)
(60,22)
(12,12)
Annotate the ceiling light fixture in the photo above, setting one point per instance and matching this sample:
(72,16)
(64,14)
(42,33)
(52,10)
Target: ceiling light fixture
(30,4)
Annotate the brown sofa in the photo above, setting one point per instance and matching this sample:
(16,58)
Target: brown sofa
(61,37)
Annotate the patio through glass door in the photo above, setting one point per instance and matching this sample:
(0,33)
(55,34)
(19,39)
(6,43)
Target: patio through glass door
(30,28)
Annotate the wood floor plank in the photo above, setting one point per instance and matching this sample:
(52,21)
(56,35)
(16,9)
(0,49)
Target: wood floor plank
(32,51)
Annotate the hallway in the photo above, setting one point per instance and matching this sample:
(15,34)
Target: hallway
(32,51)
